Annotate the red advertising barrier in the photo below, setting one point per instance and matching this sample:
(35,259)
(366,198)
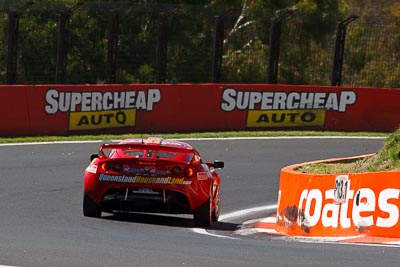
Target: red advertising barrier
(338,204)
(86,109)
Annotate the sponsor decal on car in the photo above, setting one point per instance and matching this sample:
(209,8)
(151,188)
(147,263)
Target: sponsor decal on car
(142,179)
(202,176)
(92,168)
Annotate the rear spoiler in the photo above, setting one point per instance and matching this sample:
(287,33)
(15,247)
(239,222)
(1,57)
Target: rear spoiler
(139,146)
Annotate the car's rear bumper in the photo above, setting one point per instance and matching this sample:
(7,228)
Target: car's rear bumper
(157,201)
(148,194)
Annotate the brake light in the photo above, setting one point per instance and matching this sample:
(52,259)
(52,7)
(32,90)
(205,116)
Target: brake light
(106,166)
(188,172)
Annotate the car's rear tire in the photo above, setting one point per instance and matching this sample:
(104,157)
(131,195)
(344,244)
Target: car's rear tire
(202,215)
(217,206)
(90,208)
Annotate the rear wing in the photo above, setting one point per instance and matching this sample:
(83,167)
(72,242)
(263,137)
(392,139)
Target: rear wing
(141,146)
(216,164)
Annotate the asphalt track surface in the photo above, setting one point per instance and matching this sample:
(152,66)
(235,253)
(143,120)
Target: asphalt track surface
(41,222)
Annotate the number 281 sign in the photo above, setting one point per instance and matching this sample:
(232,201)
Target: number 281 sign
(341,185)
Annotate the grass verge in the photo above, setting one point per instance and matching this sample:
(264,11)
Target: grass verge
(386,159)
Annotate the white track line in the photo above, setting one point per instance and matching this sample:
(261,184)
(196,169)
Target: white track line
(241,213)
(235,214)
(203,231)
(201,139)
(280,137)
(50,143)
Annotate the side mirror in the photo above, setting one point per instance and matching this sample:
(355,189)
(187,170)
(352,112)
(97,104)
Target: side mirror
(218,164)
(93,156)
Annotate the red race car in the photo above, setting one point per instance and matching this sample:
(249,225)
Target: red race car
(152,175)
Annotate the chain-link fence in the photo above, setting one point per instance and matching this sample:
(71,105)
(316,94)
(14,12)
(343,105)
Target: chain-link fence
(372,55)
(245,47)
(117,42)
(306,53)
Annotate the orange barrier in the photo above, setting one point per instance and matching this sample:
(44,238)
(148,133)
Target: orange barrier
(338,204)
